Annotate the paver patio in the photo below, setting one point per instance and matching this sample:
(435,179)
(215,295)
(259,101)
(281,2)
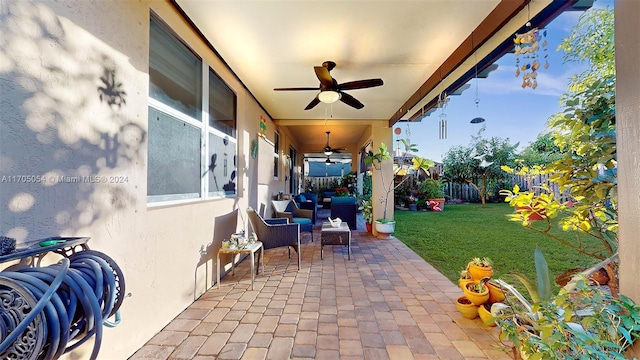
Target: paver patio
(384,303)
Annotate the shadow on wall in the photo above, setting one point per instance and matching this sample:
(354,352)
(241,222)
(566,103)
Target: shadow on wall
(223,227)
(70,147)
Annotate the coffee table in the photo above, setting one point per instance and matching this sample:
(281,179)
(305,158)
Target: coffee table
(340,235)
(248,249)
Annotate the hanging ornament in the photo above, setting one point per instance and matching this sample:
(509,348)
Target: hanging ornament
(442,127)
(442,124)
(408,132)
(478,119)
(527,47)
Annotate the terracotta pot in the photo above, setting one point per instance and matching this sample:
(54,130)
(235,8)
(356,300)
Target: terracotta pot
(564,278)
(600,276)
(496,294)
(535,216)
(369,227)
(466,308)
(484,311)
(479,272)
(474,297)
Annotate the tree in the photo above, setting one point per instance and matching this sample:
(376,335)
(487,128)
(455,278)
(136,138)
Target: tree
(479,163)
(542,151)
(383,154)
(585,133)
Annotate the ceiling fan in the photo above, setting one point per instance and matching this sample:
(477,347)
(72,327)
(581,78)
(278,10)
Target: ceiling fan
(328,150)
(331,91)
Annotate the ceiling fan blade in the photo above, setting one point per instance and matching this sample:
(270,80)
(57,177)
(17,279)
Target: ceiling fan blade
(313,103)
(323,75)
(360,84)
(296,88)
(351,101)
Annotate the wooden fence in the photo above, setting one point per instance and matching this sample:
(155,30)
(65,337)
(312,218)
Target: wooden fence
(319,183)
(468,193)
(463,192)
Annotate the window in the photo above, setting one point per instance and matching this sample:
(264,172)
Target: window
(188,158)
(276,155)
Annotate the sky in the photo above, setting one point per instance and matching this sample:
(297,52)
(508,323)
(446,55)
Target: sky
(510,111)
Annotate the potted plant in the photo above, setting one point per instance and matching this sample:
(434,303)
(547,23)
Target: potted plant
(385,226)
(342,192)
(465,277)
(412,203)
(367,213)
(484,311)
(579,320)
(466,308)
(480,268)
(476,291)
(432,190)
(496,293)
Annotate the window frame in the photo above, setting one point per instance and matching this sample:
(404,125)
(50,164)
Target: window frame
(276,155)
(205,128)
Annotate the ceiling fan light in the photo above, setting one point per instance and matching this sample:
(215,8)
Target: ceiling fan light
(328,152)
(329,96)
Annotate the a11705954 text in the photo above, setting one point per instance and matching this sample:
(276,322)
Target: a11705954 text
(63,179)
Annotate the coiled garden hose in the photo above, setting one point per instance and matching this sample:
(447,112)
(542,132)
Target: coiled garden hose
(48,311)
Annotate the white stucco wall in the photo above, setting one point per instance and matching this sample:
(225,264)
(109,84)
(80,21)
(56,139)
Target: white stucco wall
(56,60)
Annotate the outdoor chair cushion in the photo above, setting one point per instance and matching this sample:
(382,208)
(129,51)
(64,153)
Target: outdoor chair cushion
(308,201)
(346,209)
(289,209)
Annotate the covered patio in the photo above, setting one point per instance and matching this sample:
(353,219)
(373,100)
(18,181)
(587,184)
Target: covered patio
(384,303)
(78,103)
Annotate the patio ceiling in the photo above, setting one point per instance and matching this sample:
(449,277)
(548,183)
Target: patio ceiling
(417,47)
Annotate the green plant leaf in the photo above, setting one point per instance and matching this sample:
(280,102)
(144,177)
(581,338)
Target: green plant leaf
(542,273)
(533,291)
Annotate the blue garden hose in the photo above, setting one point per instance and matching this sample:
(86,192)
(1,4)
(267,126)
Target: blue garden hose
(48,311)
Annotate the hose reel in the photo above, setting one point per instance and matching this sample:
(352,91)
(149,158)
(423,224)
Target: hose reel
(48,311)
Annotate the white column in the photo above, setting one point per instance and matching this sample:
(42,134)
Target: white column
(382,134)
(627,29)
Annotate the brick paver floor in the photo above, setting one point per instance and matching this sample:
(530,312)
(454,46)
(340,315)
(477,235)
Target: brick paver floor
(384,303)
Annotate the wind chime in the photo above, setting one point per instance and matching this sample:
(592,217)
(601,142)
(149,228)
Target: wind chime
(527,47)
(478,119)
(442,124)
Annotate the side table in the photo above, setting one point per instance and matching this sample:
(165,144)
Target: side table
(249,249)
(340,235)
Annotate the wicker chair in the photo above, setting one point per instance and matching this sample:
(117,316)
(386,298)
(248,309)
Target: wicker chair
(275,233)
(289,210)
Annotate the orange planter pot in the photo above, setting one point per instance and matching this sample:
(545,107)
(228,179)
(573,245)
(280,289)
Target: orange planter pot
(496,294)
(369,227)
(479,272)
(463,282)
(534,216)
(466,308)
(485,315)
(475,297)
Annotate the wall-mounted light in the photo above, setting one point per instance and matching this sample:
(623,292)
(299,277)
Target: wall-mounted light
(329,96)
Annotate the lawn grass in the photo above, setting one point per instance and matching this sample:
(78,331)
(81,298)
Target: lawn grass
(449,239)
